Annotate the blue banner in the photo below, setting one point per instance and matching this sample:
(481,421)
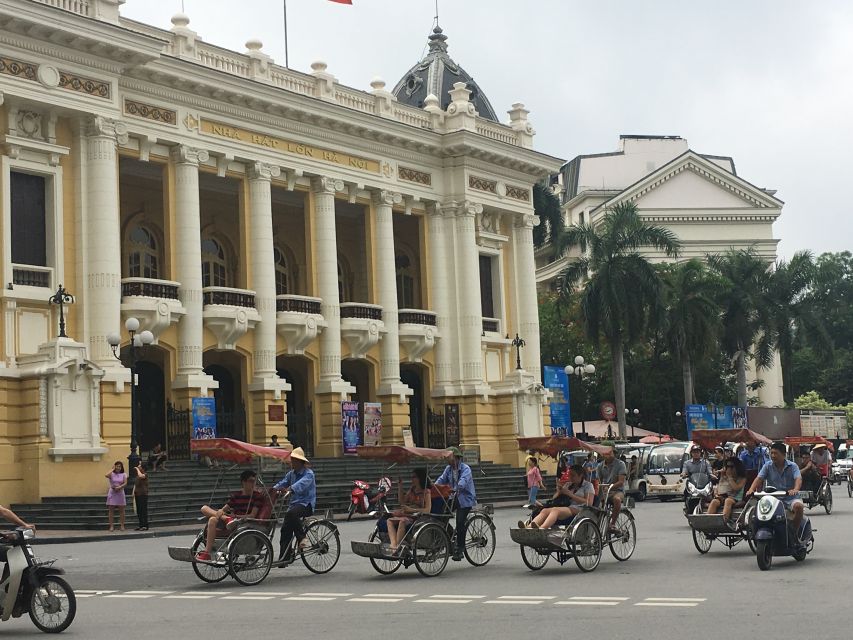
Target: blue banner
(557,382)
(350,426)
(204,418)
(700,416)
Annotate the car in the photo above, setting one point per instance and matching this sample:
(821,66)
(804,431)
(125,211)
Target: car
(663,470)
(842,464)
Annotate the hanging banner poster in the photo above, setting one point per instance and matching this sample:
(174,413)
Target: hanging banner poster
(557,382)
(204,418)
(350,426)
(372,424)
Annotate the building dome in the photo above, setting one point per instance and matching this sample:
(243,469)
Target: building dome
(436,74)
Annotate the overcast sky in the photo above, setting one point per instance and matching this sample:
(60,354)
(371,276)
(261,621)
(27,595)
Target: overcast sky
(769,82)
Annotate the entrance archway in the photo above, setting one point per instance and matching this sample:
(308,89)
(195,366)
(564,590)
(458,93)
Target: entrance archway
(300,410)
(224,367)
(359,374)
(151,405)
(412,375)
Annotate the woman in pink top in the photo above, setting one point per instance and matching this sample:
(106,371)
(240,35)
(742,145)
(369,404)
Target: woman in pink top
(534,480)
(115,496)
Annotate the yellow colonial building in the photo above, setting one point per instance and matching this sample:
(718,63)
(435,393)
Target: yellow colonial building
(288,242)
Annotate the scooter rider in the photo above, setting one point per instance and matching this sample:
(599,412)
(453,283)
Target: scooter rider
(783,475)
(12,517)
(697,469)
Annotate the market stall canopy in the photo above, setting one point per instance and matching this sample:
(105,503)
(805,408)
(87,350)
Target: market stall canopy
(402,455)
(236,451)
(796,441)
(554,445)
(710,438)
(655,439)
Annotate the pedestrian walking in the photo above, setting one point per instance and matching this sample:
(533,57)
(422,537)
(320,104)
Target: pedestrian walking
(140,496)
(115,496)
(534,480)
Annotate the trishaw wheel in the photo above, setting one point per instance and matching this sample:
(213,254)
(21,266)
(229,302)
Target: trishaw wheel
(827,500)
(479,540)
(207,572)
(383,566)
(623,543)
(325,547)
(586,545)
(250,557)
(702,542)
(533,558)
(430,549)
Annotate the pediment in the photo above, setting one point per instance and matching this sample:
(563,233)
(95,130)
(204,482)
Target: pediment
(693,182)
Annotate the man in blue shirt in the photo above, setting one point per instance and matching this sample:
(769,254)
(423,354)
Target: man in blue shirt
(753,457)
(783,475)
(299,482)
(457,475)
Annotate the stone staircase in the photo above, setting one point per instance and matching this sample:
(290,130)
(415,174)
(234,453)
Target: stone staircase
(177,494)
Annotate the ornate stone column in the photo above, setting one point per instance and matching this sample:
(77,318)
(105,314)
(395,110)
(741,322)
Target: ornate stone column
(332,389)
(469,310)
(191,376)
(102,268)
(392,392)
(440,288)
(526,302)
(266,386)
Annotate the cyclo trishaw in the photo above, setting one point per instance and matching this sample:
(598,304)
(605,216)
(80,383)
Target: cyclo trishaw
(707,527)
(583,537)
(245,552)
(823,495)
(428,541)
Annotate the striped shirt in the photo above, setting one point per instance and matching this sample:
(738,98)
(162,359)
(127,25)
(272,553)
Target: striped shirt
(242,504)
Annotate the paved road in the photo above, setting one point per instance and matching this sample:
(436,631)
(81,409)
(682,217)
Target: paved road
(130,588)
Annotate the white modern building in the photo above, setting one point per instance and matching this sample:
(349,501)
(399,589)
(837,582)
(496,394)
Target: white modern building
(699,197)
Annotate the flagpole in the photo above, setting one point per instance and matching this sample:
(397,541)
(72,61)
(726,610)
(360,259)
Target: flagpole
(286,56)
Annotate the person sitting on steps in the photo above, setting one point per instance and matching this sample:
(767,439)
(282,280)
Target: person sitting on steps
(157,458)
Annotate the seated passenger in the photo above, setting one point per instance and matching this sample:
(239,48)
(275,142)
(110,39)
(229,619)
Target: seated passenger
(729,490)
(809,472)
(243,503)
(417,500)
(569,499)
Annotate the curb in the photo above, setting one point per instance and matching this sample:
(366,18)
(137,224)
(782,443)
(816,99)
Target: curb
(57,537)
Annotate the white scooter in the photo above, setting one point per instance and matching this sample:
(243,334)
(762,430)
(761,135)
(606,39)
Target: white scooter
(32,586)
(774,533)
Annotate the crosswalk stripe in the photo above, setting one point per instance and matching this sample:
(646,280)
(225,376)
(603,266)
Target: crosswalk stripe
(248,598)
(310,598)
(526,597)
(322,594)
(129,595)
(598,598)
(457,596)
(589,603)
(184,597)
(512,602)
(150,593)
(206,593)
(676,599)
(374,599)
(389,595)
(665,604)
(94,592)
(444,601)
(275,594)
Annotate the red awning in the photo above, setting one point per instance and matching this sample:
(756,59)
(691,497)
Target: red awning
(401,455)
(710,438)
(236,451)
(796,441)
(554,445)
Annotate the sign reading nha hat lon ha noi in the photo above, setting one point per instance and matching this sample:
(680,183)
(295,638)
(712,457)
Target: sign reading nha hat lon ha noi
(213,128)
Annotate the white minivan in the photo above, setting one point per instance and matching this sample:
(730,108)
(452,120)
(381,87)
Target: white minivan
(663,470)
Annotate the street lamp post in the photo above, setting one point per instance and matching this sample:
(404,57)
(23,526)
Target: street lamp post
(518,343)
(581,369)
(138,341)
(636,413)
(679,416)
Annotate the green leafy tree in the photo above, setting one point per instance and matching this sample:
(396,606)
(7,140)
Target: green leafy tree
(746,311)
(691,321)
(547,206)
(620,289)
(793,314)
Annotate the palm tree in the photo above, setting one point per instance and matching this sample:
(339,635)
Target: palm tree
(746,308)
(793,315)
(691,320)
(620,287)
(547,206)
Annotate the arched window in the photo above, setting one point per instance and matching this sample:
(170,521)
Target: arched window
(344,281)
(214,265)
(143,256)
(405,280)
(284,272)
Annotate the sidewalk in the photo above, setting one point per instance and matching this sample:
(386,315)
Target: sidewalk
(63,536)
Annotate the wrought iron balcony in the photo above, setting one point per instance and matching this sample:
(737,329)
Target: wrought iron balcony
(299,321)
(28,275)
(229,297)
(149,288)
(153,302)
(297,304)
(361,311)
(418,332)
(417,316)
(491,325)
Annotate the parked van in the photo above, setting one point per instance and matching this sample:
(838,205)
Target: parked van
(663,469)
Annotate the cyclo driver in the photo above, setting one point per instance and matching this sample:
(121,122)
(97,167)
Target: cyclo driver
(613,471)
(457,475)
(783,475)
(299,481)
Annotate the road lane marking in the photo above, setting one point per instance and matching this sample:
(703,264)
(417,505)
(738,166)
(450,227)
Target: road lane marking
(665,604)
(598,598)
(588,603)
(150,593)
(512,602)
(457,596)
(275,594)
(326,595)
(309,598)
(390,595)
(129,595)
(374,599)
(206,593)
(526,597)
(435,600)
(179,597)
(675,599)
(93,592)
(247,598)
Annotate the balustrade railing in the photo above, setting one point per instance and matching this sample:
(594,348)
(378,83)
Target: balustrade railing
(28,275)
(361,311)
(228,297)
(149,288)
(416,316)
(298,304)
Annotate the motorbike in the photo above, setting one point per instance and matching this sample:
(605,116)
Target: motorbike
(695,498)
(32,586)
(774,533)
(365,499)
